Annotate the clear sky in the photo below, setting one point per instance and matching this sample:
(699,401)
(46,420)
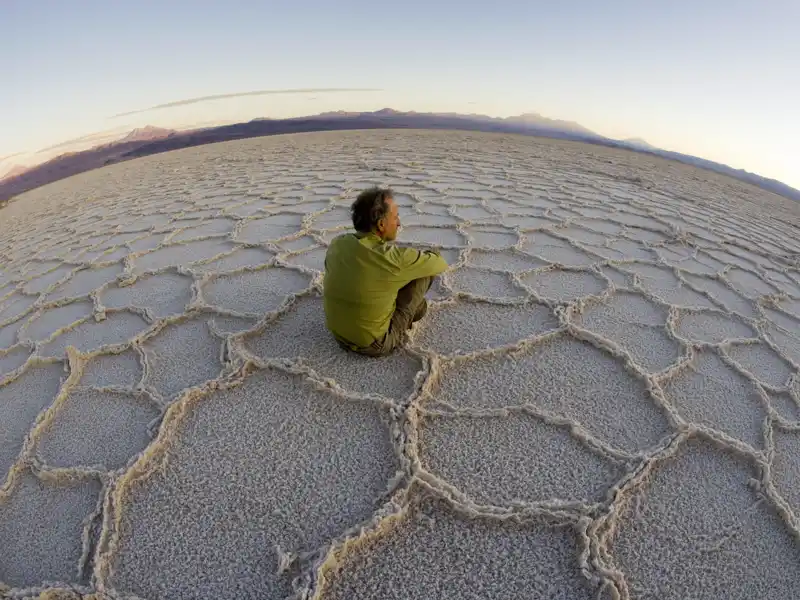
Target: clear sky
(715,78)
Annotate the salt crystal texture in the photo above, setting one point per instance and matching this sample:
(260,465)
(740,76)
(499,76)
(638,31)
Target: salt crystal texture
(602,401)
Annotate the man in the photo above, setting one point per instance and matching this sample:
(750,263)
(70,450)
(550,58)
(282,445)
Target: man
(375,290)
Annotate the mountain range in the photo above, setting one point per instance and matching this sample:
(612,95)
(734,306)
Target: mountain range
(153,140)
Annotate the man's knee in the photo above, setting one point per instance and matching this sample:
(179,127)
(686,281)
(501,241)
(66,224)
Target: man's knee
(423,284)
(413,293)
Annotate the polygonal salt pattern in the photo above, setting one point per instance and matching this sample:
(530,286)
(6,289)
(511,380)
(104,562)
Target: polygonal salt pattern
(115,329)
(492,237)
(630,250)
(308,465)
(240,259)
(701,498)
(313,258)
(465,327)
(42,283)
(698,264)
(557,250)
(84,282)
(712,327)
(98,257)
(273,227)
(182,355)
(97,428)
(16,305)
(637,325)
(294,244)
(44,323)
(583,236)
(712,393)
(472,213)
(621,279)
(161,295)
(121,370)
(147,242)
(426,219)
(336,217)
(22,399)
(643,236)
(13,358)
(495,403)
(595,396)
(35,269)
(536,559)
(214,227)
(786,403)
(785,320)
(521,457)
(433,236)
(730,259)
(783,282)
(530,222)
(438,210)
(564,286)
(786,466)
(43,522)
(504,260)
(762,362)
(179,254)
(749,284)
(484,284)
(254,292)
(731,300)
(662,283)
(225,325)
(600,224)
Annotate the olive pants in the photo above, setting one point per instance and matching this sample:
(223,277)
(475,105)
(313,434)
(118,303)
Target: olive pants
(411,306)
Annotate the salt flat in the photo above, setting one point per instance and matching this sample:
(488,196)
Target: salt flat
(603,401)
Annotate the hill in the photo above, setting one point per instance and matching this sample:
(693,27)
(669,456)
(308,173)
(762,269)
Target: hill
(72,163)
(13,171)
(153,140)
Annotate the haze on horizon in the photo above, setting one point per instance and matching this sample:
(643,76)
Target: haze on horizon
(717,80)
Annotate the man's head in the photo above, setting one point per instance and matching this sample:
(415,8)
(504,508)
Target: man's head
(374,211)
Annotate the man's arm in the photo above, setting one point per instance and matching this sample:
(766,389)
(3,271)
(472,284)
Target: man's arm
(415,264)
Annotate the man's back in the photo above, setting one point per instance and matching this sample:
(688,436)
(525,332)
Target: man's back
(363,275)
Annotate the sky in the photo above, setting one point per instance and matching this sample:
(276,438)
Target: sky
(713,78)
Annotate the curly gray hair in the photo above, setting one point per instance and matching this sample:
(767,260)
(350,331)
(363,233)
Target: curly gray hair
(370,207)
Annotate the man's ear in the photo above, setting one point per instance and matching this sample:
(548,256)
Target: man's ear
(380,225)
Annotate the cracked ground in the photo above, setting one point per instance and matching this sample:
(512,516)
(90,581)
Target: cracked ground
(603,401)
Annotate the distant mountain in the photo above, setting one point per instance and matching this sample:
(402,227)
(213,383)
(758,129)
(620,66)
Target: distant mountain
(538,120)
(13,172)
(765,183)
(386,118)
(638,144)
(527,119)
(72,163)
(147,134)
(153,140)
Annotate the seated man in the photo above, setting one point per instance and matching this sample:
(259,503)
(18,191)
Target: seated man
(374,290)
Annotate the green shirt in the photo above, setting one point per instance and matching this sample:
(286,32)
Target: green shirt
(362,277)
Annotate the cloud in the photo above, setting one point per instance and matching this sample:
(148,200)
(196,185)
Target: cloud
(241,94)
